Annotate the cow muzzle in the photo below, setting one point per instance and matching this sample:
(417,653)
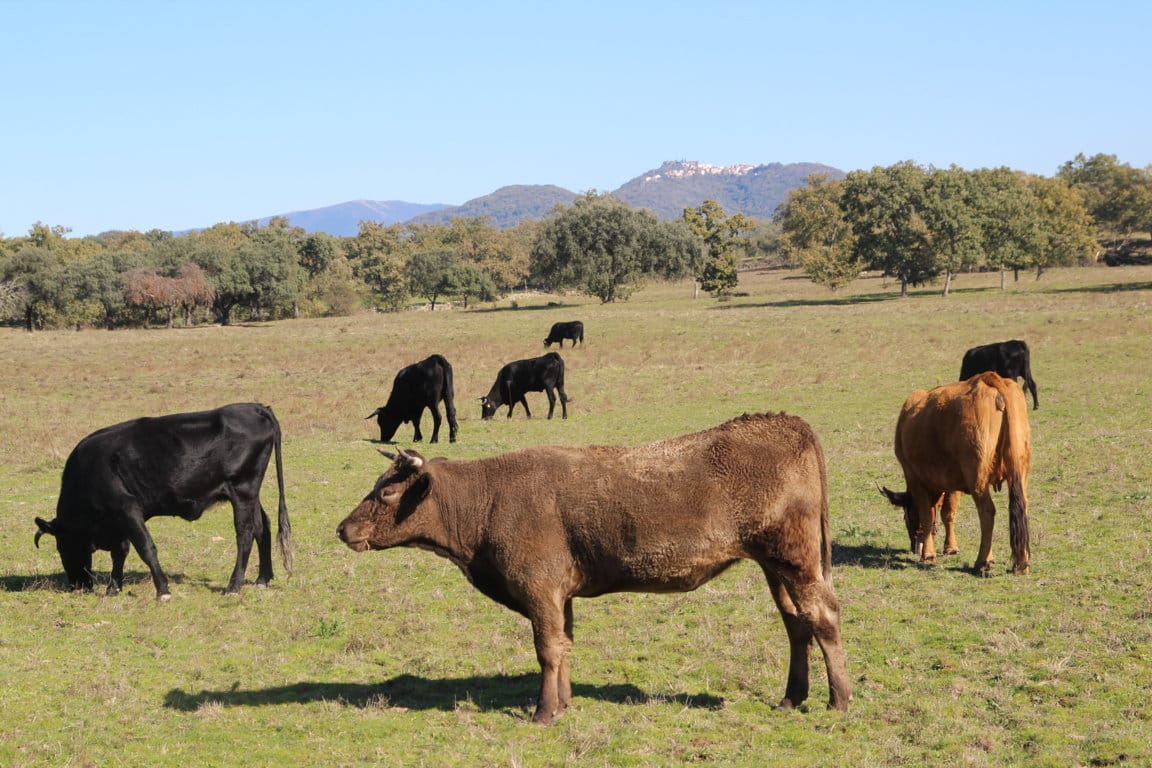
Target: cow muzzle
(352,538)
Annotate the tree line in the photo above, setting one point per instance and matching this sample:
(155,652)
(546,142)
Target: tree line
(913,223)
(918,224)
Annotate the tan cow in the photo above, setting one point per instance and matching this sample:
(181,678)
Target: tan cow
(968,437)
(535,528)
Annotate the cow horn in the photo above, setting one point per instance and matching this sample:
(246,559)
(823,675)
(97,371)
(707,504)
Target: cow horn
(375,412)
(415,462)
(43,527)
(385,454)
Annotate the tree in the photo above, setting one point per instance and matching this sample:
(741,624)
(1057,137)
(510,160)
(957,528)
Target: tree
(816,235)
(1008,217)
(954,230)
(377,255)
(606,249)
(720,233)
(431,274)
(38,285)
(468,281)
(1117,196)
(1065,230)
(886,208)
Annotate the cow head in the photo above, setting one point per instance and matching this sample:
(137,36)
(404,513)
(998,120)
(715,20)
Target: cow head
(903,500)
(387,422)
(75,548)
(378,522)
(488,408)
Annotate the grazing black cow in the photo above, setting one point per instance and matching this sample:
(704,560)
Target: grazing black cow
(416,387)
(535,374)
(560,331)
(121,476)
(1007,358)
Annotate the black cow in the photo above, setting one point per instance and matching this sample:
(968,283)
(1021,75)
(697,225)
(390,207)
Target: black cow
(1007,358)
(416,387)
(121,476)
(560,331)
(535,374)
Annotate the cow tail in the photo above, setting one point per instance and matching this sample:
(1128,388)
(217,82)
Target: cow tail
(284,534)
(1016,461)
(1018,535)
(825,522)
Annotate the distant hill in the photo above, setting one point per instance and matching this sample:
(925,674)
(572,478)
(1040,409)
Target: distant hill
(506,207)
(344,219)
(754,190)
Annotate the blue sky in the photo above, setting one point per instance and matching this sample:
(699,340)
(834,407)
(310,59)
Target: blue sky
(141,115)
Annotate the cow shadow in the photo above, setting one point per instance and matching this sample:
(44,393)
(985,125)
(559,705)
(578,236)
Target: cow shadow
(488,693)
(870,556)
(132,580)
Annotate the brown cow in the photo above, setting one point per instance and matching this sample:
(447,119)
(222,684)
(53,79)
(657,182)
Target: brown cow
(534,528)
(970,437)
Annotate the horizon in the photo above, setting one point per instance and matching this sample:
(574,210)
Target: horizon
(141,116)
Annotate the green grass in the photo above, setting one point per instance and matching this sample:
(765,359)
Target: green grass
(392,659)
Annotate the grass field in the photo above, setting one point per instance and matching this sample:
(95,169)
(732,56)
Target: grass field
(392,659)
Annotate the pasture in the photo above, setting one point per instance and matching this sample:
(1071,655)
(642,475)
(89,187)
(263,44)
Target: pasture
(391,658)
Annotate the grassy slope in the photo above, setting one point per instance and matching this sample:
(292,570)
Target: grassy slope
(391,658)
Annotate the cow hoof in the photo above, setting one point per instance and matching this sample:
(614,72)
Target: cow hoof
(164,598)
(952,551)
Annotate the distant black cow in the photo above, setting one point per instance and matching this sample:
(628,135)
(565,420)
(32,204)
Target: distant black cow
(416,387)
(121,476)
(1007,358)
(560,331)
(535,374)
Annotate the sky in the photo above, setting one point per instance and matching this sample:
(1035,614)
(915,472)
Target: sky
(176,115)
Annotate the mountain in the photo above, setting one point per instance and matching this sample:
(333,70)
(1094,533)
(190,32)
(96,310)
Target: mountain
(506,207)
(344,219)
(753,190)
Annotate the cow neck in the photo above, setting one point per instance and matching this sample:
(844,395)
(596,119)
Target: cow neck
(463,503)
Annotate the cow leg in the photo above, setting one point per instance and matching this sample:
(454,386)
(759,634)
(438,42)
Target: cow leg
(810,609)
(799,639)
(563,400)
(251,523)
(417,437)
(119,555)
(986,508)
(948,517)
(146,549)
(551,401)
(450,412)
(264,547)
(924,506)
(435,409)
(524,402)
(564,679)
(551,632)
